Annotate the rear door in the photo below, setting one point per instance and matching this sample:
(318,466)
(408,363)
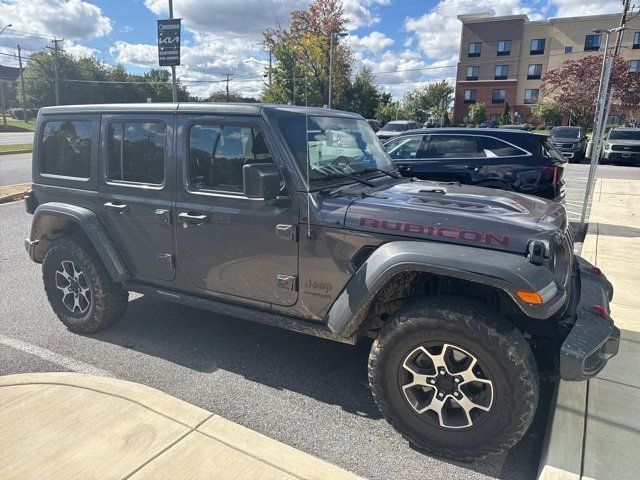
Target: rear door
(449,157)
(136,190)
(228,243)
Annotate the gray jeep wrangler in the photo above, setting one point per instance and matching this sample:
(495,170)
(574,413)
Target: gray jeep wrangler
(297,218)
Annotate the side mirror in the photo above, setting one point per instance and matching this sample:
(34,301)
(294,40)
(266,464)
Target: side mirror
(261,180)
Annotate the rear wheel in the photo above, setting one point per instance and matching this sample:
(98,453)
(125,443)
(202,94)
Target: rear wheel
(79,288)
(454,378)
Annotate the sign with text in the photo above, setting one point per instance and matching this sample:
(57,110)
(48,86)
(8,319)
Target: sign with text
(169,42)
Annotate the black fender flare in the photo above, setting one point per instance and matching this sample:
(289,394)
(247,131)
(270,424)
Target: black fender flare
(506,271)
(49,216)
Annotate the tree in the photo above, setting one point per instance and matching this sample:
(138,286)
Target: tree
(574,87)
(221,96)
(477,113)
(300,72)
(505,118)
(387,112)
(439,96)
(363,96)
(433,99)
(547,112)
(415,105)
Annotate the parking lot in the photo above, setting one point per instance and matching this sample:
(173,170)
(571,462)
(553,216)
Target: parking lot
(306,392)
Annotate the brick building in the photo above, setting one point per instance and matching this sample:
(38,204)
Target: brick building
(503,58)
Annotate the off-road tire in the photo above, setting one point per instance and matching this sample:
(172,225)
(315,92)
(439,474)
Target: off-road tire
(108,300)
(492,339)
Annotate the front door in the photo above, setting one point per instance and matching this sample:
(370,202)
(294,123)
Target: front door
(136,191)
(228,243)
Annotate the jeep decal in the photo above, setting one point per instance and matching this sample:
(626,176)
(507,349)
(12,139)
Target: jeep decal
(436,231)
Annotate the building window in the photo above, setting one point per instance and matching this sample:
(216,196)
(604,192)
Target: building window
(136,152)
(66,148)
(537,46)
(592,43)
(469,96)
(474,49)
(472,73)
(634,66)
(531,95)
(504,47)
(502,72)
(636,40)
(568,49)
(498,95)
(534,72)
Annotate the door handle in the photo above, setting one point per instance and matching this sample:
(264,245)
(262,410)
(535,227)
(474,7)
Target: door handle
(193,219)
(403,168)
(473,167)
(116,207)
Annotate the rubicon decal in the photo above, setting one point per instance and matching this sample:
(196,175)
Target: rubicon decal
(437,231)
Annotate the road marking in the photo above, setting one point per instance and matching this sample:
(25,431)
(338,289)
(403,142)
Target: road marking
(54,357)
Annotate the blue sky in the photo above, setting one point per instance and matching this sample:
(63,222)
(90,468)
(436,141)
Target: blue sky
(407,43)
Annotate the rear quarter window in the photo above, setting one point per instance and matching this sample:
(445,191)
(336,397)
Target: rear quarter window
(66,148)
(492,147)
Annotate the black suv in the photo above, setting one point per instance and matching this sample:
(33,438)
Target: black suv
(297,218)
(505,159)
(571,141)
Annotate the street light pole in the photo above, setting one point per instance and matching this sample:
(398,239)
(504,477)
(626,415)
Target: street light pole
(599,124)
(340,34)
(174,85)
(8,25)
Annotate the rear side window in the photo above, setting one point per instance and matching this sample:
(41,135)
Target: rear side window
(136,152)
(453,146)
(66,148)
(217,154)
(492,147)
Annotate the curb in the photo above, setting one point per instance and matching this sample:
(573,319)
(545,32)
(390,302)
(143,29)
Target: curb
(13,193)
(14,152)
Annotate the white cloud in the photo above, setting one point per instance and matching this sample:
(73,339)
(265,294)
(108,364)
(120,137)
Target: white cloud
(79,51)
(359,12)
(374,42)
(574,8)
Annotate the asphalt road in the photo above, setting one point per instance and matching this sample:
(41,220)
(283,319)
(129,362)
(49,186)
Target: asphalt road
(15,169)
(306,392)
(9,138)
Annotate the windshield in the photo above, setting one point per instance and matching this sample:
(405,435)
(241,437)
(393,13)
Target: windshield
(338,147)
(565,132)
(624,135)
(394,127)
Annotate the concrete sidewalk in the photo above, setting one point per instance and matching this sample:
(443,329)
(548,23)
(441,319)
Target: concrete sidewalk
(73,426)
(595,429)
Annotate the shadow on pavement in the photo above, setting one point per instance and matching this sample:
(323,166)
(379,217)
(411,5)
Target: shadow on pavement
(618,230)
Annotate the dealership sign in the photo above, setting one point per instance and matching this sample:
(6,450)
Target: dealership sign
(169,42)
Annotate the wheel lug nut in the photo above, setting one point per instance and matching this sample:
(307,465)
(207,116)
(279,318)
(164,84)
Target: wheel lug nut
(432,381)
(456,394)
(442,372)
(457,379)
(440,394)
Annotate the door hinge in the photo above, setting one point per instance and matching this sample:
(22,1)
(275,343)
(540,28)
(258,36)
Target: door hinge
(287,232)
(167,259)
(288,282)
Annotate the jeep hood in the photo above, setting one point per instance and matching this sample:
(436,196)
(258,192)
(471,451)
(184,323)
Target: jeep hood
(453,213)
(623,142)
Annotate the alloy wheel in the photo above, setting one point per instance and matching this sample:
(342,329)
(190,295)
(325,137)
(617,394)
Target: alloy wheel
(72,282)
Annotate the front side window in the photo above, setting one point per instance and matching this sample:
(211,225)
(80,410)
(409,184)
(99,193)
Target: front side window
(66,148)
(537,46)
(636,40)
(469,96)
(592,43)
(504,47)
(634,66)
(217,154)
(531,95)
(498,95)
(534,71)
(332,148)
(502,72)
(453,146)
(473,72)
(492,147)
(404,147)
(474,49)
(136,152)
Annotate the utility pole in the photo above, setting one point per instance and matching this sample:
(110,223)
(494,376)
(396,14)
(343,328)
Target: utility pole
(293,82)
(623,21)
(174,86)
(339,34)
(270,55)
(227,80)
(3,106)
(24,93)
(56,50)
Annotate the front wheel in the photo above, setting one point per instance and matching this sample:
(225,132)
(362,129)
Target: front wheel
(454,378)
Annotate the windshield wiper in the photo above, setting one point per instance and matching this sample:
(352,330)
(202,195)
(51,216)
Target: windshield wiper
(339,173)
(391,174)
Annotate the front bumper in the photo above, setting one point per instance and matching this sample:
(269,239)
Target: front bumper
(593,338)
(617,156)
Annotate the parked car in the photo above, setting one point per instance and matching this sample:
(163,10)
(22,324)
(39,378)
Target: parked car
(506,159)
(297,218)
(489,124)
(375,124)
(571,141)
(524,127)
(396,127)
(622,145)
